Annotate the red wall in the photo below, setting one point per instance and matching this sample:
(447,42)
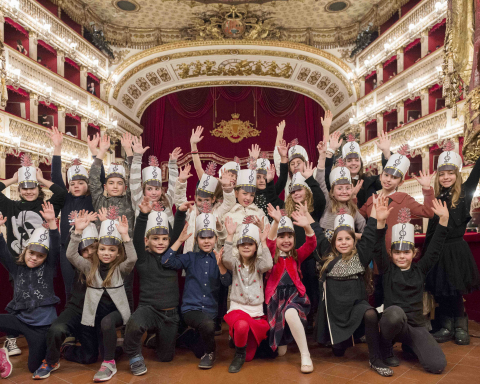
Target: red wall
(15,97)
(49,59)
(50,6)
(385,26)
(412,55)
(408,6)
(72,24)
(72,74)
(12,35)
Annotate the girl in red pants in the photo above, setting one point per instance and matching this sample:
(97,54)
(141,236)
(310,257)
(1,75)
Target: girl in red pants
(247,322)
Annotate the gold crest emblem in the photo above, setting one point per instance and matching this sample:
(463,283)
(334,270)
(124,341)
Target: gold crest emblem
(235,130)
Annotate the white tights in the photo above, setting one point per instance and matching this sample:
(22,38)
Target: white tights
(298,332)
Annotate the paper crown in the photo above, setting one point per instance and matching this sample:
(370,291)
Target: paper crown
(343,221)
(232,166)
(157,223)
(27,174)
(40,239)
(285,224)
(351,149)
(109,234)
(89,236)
(298,182)
(296,151)
(208,182)
(263,164)
(205,225)
(249,232)
(77,171)
(449,160)
(403,233)
(398,163)
(115,170)
(247,178)
(340,174)
(152,175)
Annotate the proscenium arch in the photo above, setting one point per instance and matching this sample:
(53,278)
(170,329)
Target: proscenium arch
(185,65)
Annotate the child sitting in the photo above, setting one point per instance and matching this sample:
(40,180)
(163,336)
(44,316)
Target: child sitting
(246,320)
(202,282)
(32,309)
(403,283)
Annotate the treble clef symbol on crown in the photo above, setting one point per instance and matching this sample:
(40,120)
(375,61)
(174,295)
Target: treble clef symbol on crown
(115,167)
(283,222)
(264,163)
(245,230)
(398,161)
(403,233)
(352,147)
(77,168)
(341,220)
(206,182)
(447,157)
(206,221)
(111,227)
(27,173)
(154,172)
(159,219)
(250,178)
(342,172)
(43,236)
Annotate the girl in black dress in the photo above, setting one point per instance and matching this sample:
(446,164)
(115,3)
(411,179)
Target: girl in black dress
(456,273)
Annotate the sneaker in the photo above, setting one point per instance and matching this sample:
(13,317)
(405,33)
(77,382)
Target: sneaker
(207,360)
(382,371)
(105,372)
(45,369)
(11,346)
(5,365)
(138,367)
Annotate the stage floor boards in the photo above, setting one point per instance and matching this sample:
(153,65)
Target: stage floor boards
(463,367)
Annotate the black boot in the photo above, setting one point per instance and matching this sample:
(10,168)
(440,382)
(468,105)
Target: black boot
(461,331)
(388,356)
(238,360)
(446,332)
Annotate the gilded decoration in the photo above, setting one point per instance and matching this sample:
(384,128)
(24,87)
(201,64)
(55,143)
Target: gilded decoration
(98,106)
(134,91)
(128,101)
(303,74)
(324,81)
(163,73)
(216,83)
(190,44)
(119,56)
(235,130)
(332,89)
(142,84)
(338,99)
(234,67)
(153,78)
(314,77)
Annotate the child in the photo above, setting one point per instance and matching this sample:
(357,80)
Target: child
(24,215)
(246,320)
(403,282)
(344,312)
(341,194)
(32,308)
(456,272)
(159,295)
(106,306)
(69,321)
(285,294)
(150,184)
(202,283)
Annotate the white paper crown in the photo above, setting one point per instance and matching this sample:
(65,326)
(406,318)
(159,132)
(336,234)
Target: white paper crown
(343,221)
(263,164)
(340,175)
(152,175)
(39,240)
(109,234)
(285,225)
(27,174)
(351,149)
(403,233)
(115,170)
(77,171)
(297,151)
(398,163)
(89,236)
(206,225)
(232,166)
(249,233)
(298,182)
(157,223)
(247,180)
(208,182)
(449,160)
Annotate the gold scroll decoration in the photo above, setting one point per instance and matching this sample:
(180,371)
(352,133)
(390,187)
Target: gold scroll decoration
(235,130)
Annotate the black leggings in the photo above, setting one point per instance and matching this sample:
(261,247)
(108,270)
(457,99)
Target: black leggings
(36,338)
(108,325)
(450,306)
(68,272)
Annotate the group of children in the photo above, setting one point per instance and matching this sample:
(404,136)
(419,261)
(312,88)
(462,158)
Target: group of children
(287,266)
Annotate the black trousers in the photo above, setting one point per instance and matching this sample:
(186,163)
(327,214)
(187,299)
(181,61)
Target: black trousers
(68,272)
(205,325)
(36,338)
(148,319)
(310,281)
(128,284)
(69,323)
(394,327)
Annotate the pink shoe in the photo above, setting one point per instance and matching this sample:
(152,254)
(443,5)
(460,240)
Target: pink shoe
(6,367)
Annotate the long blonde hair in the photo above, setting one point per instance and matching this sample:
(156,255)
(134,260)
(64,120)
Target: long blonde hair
(336,205)
(456,189)
(291,206)
(112,266)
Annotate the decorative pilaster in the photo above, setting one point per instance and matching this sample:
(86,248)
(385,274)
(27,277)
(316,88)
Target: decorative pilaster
(103,93)
(379,74)
(400,112)
(32,45)
(424,96)
(379,123)
(61,62)
(399,60)
(34,107)
(83,77)
(424,42)
(2,27)
(84,129)
(362,86)
(61,119)
(362,132)
(3,156)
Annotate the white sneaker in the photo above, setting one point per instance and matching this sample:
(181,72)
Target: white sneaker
(282,350)
(11,346)
(307,364)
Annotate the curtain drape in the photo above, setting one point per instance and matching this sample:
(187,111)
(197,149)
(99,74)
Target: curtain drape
(278,102)
(192,104)
(154,120)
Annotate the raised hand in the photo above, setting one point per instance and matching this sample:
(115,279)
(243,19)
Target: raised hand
(327,120)
(230,225)
(258,222)
(271,173)
(308,170)
(83,219)
(322,148)
(126,141)
(187,205)
(274,213)
(441,210)
(219,256)
(281,127)
(196,135)
(184,173)
(137,145)
(381,209)
(176,154)
(335,141)
(104,144)
(56,136)
(425,179)
(102,214)
(226,180)
(283,148)
(254,152)
(39,174)
(145,205)
(48,212)
(302,208)
(184,235)
(93,143)
(300,219)
(384,142)
(357,188)
(264,234)
(122,225)
(3,220)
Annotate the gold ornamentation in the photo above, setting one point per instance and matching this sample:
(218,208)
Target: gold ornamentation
(338,99)
(234,67)
(134,91)
(142,84)
(153,78)
(324,81)
(98,106)
(163,73)
(303,74)
(128,101)
(314,77)
(235,130)
(331,90)
(119,56)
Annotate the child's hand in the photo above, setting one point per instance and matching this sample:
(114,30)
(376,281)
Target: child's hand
(15,177)
(271,173)
(137,145)
(300,219)
(104,144)
(184,235)
(327,121)
(186,206)
(145,206)
(357,188)
(39,174)
(3,220)
(274,213)
(219,256)
(122,225)
(102,214)
(226,180)
(281,127)
(48,212)
(230,225)
(176,154)
(441,210)
(126,141)
(56,136)
(384,142)
(254,152)
(335,141)
(283,148)
(425,179)
(322,148)
(93,143)
(258,222)
(308,170)
(196,135)
(382,210)
(264,233)
(184,173)
(83,219)
(302,208)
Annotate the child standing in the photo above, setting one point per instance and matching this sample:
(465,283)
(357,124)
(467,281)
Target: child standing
(247,322)
(106,305)
(285,294)
(456,272)
(202,282)
(403,281)
(32,308)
